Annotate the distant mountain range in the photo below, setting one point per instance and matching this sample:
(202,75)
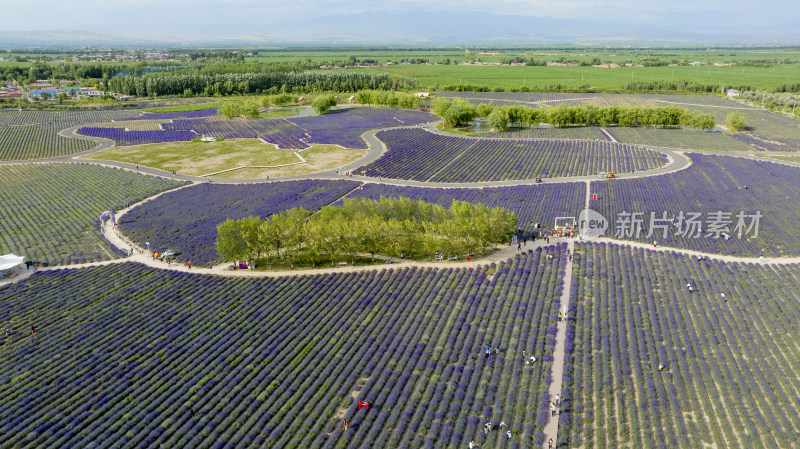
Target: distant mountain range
(409,29)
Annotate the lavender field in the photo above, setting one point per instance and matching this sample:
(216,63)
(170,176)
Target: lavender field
(730,371)
(34,134)
(186,220)
(123,354)
(342,127)
(712,184)
(50,212)
(122,137)
(531,204)
(423,156)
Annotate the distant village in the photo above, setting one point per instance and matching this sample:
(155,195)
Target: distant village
(108,56)
(47,90)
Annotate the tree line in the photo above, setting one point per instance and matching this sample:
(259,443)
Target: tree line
(460,112)
(250,108)
(387,98)
(392,227)
(247,83)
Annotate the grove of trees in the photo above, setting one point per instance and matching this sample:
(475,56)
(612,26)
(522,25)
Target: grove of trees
(232,109)
(391,227)
(460,112)
(245,83)
(387,98)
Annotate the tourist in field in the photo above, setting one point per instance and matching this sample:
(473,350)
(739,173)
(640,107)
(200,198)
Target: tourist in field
(346,423)
(191,410)
(552,409)
(558,400)
(33,330)
(189,265)
(550,444)
(560,316)
(508,434)
(366,405)
(360,404)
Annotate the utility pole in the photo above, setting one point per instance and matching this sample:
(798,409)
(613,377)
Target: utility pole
(794,107)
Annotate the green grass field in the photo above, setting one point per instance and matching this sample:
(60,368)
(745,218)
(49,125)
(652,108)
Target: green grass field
(201,158)
(596,77)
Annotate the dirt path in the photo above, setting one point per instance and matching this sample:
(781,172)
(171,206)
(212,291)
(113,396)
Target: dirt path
(551,429)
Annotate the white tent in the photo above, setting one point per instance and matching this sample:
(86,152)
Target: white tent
(10,261)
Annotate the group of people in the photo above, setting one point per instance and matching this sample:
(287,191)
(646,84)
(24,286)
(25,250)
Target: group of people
(361,404)
(488,428)
(347,173)
(555,404)
(528,360)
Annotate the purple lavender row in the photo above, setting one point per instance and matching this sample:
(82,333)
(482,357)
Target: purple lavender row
(771,144)
(174,115)
(126,138)
(647,350)
(141,373)
(419,155)
(713,184)
(345,126)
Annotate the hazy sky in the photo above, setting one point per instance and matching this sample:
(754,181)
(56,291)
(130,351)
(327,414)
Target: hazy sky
(243,16)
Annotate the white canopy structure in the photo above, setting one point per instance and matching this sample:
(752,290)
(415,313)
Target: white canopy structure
(9,262)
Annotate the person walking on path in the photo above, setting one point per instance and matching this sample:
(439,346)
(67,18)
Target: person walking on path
(560,316)
(189,265)
(346,423)
(552,409)
(508,434)
(550,444)
(558,399)
(360,404)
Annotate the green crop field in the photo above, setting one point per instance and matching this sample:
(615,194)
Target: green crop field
(597,77)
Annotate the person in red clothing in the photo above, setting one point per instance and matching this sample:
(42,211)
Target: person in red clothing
(360,404)
(550,443)
(366,404)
